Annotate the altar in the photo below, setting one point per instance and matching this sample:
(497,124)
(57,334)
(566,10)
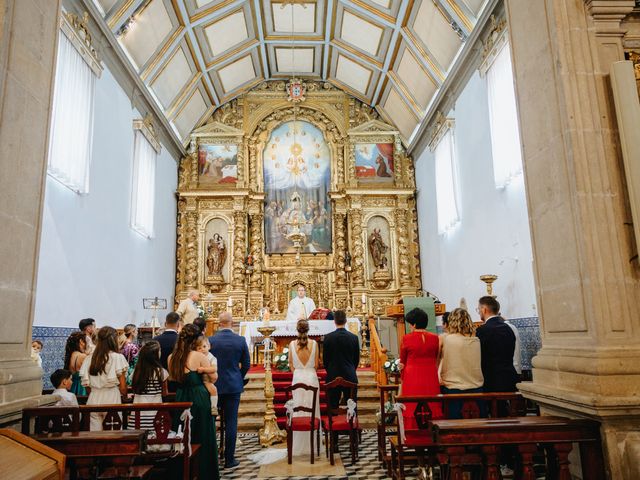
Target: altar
(285,331)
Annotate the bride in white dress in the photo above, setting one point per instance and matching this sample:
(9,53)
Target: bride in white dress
(303,362)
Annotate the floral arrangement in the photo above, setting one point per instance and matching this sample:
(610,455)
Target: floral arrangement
(391,367)
(282,361)
(202,313)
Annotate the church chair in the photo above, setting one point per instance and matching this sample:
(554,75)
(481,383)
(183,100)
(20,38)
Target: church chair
(341,420)
(303,423)
(386,423)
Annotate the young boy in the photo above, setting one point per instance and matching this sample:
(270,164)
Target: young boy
(36,348)
(203,346)
(61,380)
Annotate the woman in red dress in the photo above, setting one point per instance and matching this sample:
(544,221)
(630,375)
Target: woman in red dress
(419,354)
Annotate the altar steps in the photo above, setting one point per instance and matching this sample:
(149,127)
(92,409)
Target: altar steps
(252,401)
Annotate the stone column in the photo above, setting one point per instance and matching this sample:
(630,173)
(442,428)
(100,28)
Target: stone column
(587,283)
(28,40)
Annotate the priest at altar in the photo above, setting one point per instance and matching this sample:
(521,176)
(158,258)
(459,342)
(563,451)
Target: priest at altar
(300,306)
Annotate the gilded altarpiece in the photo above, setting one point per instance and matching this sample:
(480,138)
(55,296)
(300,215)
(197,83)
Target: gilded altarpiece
(273,194)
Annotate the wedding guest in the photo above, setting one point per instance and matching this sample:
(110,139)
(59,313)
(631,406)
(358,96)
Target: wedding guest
(88,327)
(61,381)
(460,370)
(498,343)
(233,364)
(129,346)
(36,349)
(188,308)
(517,352)
(103,374)
(201,324)
(340,356)
(149,381)
(169,337)
(419,353)
(185,368)
(74,356)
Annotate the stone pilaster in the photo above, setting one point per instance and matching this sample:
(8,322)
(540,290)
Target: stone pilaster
(588,287)
(27,63)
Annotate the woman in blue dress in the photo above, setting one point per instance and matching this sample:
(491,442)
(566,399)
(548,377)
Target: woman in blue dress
(74,355)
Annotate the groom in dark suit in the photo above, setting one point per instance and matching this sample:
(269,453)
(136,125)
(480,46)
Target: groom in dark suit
(341,355)
(234,362)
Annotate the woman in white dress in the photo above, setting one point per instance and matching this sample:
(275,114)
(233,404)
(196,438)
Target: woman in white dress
(303,362)
(103,373)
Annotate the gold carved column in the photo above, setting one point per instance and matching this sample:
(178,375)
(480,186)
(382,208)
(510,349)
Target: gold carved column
(191,249)
(239,239)
(341,248)
(358,248)
(256,241)
(403,245)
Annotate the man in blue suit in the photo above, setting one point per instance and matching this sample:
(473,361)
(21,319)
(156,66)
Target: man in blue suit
(232,354)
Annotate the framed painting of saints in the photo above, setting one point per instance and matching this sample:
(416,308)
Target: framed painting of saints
(374,162)
(218,164)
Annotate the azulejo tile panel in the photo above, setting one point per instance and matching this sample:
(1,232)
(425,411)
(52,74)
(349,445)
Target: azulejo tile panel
(53,340)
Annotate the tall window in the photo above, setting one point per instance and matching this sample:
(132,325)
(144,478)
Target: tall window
(71,133)
(503,119)
(446,198)
(145,151)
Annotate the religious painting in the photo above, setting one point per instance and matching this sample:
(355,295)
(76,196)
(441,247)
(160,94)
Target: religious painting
(374,162)
(297,175)
(218,164)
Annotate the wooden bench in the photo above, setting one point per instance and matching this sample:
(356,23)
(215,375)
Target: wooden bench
(386,427)
(67,423)
(555,434)
(24,458)
(419,447)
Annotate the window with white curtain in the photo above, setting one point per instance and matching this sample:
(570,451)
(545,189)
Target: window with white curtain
(71,132)
(446,197)
(503,119)
(144,184)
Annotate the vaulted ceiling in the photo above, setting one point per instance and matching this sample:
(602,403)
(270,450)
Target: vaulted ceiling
(195,55)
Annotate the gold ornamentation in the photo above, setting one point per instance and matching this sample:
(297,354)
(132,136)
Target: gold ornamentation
(489,279)
(191,250)
(77,31)
(403,247)
(269,433)
(340,249)
(635,58)
(256,250)
(358,249)
(239,226)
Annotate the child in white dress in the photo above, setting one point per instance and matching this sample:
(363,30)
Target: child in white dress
(203,346)
(103,373)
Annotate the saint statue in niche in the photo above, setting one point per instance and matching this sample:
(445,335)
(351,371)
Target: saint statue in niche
(216,254)
(378,248)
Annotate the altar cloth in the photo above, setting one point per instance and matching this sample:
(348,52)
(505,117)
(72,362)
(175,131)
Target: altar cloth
(284,328)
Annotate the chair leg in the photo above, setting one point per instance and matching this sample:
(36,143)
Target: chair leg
(352,446)
(289,447)
(326,443)
(312,445)
(318,441)
(331,454)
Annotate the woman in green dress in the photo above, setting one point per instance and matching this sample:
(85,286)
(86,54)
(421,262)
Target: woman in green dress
(74,355)
(185,368)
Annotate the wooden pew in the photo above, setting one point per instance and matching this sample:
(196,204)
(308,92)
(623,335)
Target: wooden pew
(65,422)
(386,427)
(419,445)
(556,434)
(24,458)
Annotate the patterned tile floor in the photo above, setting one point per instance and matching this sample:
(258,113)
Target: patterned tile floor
(366,468)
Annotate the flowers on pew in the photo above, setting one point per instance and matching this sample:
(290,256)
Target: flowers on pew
(282,361)
(392,367)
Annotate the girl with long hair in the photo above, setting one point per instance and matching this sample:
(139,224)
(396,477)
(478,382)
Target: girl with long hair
(460,362)
(128,346)
(103,374)
(74,356)
(185,368)
(149,381)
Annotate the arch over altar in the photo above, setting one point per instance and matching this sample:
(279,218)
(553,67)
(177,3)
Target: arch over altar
(274,194)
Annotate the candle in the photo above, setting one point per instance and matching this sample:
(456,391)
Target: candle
(364,298)
(229,302)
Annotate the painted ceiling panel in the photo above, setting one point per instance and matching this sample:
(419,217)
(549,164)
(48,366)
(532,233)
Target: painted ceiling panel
(227,32)
(147,32)
(389,52)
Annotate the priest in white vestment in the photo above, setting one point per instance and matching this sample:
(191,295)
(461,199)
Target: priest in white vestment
(301,306)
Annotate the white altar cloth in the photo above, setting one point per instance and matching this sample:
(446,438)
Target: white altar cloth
(249,330)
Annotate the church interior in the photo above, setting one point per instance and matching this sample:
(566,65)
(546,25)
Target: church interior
(278,160)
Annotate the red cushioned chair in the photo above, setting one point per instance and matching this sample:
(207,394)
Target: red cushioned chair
(338,421)
(304,423)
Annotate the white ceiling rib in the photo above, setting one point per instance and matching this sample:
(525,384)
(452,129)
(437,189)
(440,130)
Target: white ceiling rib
(391,54)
